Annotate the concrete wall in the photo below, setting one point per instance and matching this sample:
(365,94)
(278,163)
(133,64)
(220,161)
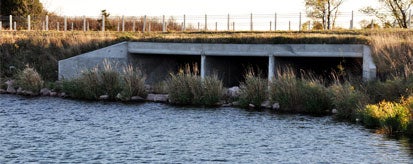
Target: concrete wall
(72,67)
(229,61)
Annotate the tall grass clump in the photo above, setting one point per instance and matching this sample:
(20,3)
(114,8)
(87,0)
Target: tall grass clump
(300,95)
(347,100)
(254,90)
(29,79)
(389,117)
(133,83)
(187,88)
(110,80)
(87,86)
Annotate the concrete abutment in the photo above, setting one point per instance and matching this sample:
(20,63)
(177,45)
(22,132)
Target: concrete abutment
(228,61)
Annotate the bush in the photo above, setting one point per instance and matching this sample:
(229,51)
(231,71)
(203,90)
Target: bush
(187,88)
(254,90)
(133,83)
(299,94)
(390,90)
(347,100)
(390,117)
(30,80)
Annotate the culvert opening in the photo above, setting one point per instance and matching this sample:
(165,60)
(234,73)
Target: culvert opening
(324,67)
(231,69)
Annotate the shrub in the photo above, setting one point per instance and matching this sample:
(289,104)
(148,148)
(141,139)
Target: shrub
(299,94)
(390,90)
(254,90)
(391,117)
(186,87)
(347,100)
(109,80)
(30,80)
(133,83)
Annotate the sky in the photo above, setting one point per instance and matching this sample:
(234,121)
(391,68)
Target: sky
(180,7)
(177,8)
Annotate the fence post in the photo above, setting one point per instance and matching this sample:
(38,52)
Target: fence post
(47,23)
(15,26)
(216,26)
(28,23)
(163,23)
(134,26)
(228,23)
(198,26)
(72,27)
(372,24)
(206,22)
(233,26)
(410,19)
(289,25)
(299,23)
(84,23)
(1,25)
(149,26)
(123,23)
(251,23)
(184,25)
(144,23)
(11,23)
(65,24)
(270,25)
(275,22)
(103,23)
(118,26)
(88,26)
(352,20)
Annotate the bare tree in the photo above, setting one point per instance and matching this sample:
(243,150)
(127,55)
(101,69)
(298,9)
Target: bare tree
(324,11)
(398,9)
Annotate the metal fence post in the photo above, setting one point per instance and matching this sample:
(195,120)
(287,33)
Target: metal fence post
(144,23)
(206,22)
(103,23)
(163,23)
(65,24)
(352,20)
(275,22)
(251,23)
(84,23)
(184,25)
(228,23)
(47,23)
(11,23)
(134,26)
(123,23)
(299,23)
(28,23)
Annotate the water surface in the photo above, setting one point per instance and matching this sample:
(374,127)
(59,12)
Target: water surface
(43,130)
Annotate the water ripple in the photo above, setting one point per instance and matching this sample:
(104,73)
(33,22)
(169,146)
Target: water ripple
(50,130)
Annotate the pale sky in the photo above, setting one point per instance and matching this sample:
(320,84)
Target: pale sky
(287,9)
(180,7)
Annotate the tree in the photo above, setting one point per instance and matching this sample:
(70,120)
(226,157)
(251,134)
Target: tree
(324,11)
(398,9)
(21,7)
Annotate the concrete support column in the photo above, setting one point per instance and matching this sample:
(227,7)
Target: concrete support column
(271,68)
(203,65)
(28,23)
(369,68)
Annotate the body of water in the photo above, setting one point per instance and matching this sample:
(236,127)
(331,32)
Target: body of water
(43,130)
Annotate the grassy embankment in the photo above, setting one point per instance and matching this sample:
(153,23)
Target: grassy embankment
(392,52)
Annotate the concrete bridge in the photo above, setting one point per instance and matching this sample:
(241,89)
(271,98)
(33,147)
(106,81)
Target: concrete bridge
(228,61)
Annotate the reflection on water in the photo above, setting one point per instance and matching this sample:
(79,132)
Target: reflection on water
(57,130)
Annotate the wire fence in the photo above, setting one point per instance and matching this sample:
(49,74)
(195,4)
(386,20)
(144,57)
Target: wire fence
(241,22)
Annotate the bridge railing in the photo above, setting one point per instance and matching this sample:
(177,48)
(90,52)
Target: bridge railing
(228,22)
